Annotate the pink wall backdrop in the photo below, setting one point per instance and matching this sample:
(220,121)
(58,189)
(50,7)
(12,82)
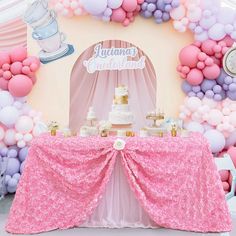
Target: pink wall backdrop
(98,89)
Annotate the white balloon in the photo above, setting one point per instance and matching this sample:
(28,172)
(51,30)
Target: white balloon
(6,99)
(9,138)
(216,140)
(19,136)
(217,32)
(28,137)
(193,103)
(21,144)
(24,124)
(195,15)
(114,4)
(178,13)
(226,15)
(195,127)
(95,7)
(215,117)
(9,115)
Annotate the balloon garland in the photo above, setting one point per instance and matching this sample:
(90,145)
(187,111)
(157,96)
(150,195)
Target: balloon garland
(19,124)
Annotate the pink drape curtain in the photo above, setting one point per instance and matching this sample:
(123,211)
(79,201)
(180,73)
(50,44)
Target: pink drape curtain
(13,33)
(98,89)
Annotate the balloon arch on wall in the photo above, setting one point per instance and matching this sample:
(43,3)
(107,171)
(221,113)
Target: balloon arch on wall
(210,105)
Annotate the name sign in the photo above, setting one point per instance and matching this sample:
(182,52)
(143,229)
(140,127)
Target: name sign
(114,59)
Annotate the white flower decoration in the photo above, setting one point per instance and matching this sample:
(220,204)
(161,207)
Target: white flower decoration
(119,144)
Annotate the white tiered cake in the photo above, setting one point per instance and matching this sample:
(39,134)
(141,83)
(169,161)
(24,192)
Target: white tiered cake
(120,116)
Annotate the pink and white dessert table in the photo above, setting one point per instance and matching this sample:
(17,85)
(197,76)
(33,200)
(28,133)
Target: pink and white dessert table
(133,182)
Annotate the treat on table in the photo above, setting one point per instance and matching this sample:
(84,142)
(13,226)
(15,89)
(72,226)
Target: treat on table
(121,117)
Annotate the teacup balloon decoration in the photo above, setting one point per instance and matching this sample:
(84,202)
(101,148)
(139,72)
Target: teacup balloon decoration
(46,32)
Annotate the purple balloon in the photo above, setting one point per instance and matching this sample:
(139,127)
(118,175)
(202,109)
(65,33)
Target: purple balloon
(217,89)
(231,95)
(196,89)
(13,166)
(209,94)
(186,87)
(207,85)
(4,151)
(221,79)
(228,80)
(23,153)
(22,166)
(232,87)
(12,153)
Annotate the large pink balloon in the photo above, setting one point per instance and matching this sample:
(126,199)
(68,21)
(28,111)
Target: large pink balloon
(20,85)
(118,15)
(4,58)
(189,56)
(195,77)
(211,72)
(18,54)
(129,5)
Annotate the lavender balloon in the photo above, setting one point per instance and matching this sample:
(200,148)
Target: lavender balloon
(159,9)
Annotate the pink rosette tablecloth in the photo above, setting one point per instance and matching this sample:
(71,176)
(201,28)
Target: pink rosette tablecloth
(174,179)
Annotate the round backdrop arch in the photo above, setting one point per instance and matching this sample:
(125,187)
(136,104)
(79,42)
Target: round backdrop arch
(97,88)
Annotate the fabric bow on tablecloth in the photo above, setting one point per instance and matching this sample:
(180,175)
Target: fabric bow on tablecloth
(174,179)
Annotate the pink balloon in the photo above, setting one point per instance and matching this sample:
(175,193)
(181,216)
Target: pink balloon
(232,153)
(195,77)
(3,84)
(207,47)
(4,58)
(129,5)
(26,70)
(6,66)
(226,186)
(33,59)
(211,72)
(26,62)
(189,56)
(224,175)
(20,85)
(33,67)
(7,75)
(118,15)
(33,79)
(229,41)
(16,68)
(126,22)
(18,54)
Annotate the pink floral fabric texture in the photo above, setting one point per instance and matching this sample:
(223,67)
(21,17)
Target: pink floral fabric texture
(174,179)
